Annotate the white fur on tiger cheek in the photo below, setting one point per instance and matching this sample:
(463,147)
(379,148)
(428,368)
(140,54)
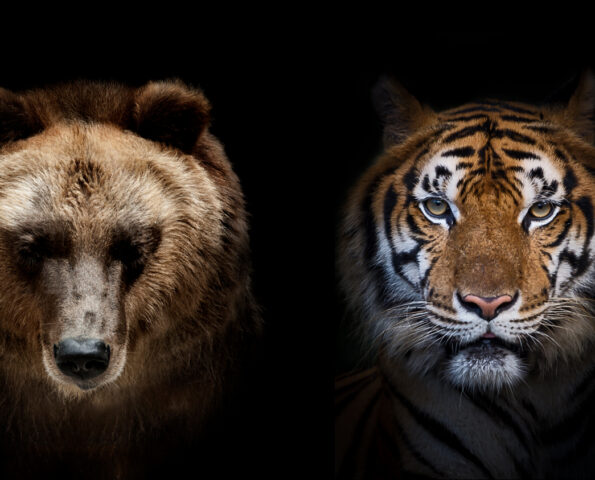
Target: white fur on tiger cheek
(469,370)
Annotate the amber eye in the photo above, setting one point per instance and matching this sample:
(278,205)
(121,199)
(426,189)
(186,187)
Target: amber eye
(541,210)
(436,206)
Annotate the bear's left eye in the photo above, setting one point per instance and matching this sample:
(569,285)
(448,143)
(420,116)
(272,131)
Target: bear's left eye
(132,250)
(125,251)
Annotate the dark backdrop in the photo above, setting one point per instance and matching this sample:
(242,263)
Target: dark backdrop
(293,112)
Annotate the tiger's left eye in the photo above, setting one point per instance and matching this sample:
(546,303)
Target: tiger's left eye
(436,206)
(541,210)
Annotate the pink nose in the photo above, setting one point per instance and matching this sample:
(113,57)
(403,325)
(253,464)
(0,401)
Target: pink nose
(488,305)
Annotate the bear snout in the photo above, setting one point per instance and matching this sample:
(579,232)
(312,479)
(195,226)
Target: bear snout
(82,358)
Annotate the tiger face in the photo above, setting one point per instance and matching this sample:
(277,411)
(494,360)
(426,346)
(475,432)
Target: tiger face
(469,244)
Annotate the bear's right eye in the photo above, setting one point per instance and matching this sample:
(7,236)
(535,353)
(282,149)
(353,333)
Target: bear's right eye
(31,251)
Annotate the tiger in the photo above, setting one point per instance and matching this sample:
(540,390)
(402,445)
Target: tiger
(465,253)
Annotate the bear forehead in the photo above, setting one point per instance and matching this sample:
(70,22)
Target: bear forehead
(98,170)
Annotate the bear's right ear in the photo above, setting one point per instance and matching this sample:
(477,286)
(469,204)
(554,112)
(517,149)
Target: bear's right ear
(399,111)
(16,122)
(171,113)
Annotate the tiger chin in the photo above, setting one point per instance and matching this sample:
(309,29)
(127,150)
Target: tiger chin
(466,253)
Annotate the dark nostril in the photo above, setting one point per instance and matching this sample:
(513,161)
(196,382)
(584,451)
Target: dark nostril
(82,358)
(470,306)
(487,307)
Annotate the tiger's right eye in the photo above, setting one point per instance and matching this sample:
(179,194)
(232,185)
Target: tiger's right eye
(436,206)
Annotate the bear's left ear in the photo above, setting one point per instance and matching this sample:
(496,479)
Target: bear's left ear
(579,115)
(171,113)
(16,122)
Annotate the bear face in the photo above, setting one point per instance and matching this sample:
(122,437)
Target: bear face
(124,259)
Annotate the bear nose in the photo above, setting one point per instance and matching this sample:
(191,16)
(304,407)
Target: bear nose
(486,307)
(82,358)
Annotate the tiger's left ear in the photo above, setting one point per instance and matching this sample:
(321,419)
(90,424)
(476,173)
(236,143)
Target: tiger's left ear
(400,112)
(579,115)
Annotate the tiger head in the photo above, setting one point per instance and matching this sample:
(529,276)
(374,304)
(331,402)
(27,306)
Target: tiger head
(468,246)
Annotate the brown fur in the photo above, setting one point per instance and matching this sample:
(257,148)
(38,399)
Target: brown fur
(90,169)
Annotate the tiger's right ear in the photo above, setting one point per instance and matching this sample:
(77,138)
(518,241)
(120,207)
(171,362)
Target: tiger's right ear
(580,112)
(16,122)
(399,111)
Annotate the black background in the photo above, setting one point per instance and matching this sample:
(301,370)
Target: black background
(292,108)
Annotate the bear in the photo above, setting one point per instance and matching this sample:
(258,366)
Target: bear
(126,306)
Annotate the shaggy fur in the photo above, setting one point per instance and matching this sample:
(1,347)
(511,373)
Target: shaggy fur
(120,219)
(471,394)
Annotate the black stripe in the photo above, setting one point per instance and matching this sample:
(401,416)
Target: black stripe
(414,228)
(517,119)
(502,416)
(549,189)
(441,432)
(480,108)
(369,223)
(424,279)
(572,423)
(410,178)
(512,135)
(346,393)
(462,165)
(520,155)
(536,173)
(466,132)
(460,152)
(561,154)
(540,128)
(505,178)
(519,468)
(371,239)
(416,454)
(401,259)
(343,397)
(419,155)
(579,264)
(468,118)
(442,171)
(587,382)
(390,200)
(562,235)
(530,409)
(570,181)
(584,203)
(351,455)
(508,106)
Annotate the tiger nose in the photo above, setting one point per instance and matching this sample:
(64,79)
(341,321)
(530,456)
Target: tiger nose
(487,307)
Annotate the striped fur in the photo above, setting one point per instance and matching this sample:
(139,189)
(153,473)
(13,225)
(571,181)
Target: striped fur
(468,394)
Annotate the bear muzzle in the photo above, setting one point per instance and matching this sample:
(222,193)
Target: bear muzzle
(82,358)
